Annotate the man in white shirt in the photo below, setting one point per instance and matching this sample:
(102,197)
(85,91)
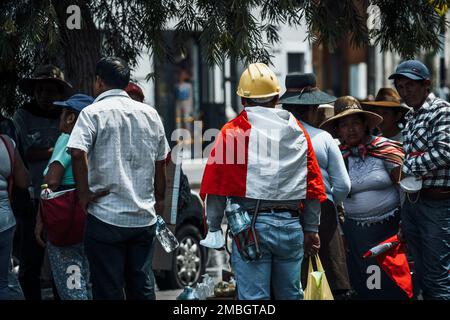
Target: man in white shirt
(121,186)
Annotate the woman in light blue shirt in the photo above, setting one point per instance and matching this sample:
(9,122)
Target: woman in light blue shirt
(68,262)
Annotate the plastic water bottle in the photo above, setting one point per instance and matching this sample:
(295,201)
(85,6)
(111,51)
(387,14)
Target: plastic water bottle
(238,218)
(188,294)
(167,239)
(46,192)
(239,221)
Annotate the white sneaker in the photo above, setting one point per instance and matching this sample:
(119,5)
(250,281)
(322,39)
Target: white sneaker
(213,240)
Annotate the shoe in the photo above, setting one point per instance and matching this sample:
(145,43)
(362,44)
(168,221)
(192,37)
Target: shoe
(213,240)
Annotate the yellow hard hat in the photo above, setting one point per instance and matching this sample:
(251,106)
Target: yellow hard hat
(258,81)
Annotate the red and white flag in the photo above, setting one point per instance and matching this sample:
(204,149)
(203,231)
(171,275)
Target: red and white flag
(264,153)
(391,256)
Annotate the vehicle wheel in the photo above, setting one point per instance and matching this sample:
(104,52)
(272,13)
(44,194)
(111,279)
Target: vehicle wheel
(188,261)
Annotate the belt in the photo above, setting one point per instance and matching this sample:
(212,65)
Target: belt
(294,213)
(438,193)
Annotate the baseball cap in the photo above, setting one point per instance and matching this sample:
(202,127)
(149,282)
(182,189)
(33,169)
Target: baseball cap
(412,69)
(76,103)
(134,88)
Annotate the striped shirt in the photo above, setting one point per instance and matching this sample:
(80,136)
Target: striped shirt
(426,141)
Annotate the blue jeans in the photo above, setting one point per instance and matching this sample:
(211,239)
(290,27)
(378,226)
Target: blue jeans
(281,244)
(426,225)
(9,285)
(70,270)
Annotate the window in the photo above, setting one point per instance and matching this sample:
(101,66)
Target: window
(296,62)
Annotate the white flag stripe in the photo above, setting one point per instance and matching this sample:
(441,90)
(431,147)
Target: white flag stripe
(277,156)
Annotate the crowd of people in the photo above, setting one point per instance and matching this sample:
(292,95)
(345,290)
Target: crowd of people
(331,186)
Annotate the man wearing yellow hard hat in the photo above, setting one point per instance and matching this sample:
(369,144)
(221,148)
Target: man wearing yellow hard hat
(262,172)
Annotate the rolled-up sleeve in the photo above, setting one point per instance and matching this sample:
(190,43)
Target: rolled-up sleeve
(84,133)
(311,215)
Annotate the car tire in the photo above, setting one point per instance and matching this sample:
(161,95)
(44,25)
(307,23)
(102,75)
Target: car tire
(188,261)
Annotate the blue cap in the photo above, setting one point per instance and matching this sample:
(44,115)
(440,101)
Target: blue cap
(76,103)
(412,69)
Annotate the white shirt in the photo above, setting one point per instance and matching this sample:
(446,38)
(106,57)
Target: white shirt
(123,138)
(373,196)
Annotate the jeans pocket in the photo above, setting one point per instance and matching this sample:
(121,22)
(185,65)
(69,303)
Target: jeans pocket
(294,234)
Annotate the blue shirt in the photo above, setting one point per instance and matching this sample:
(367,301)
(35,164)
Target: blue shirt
(334,174)
(61,156)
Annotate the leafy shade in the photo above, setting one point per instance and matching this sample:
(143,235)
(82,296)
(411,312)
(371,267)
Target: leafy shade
(35,32)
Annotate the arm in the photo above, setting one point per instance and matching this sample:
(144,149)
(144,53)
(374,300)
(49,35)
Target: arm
(80,142)
(438,156)
(339,178)
(39,230)
(311,227)
(160,168)
(160,185)
(215,208)
(80,174)
(21,176)
(38,154)
(54,175)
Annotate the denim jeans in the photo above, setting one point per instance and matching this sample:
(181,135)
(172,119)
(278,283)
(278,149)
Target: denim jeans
(9,285)
(120,260)
(426,225)
(277,274)
(70,270)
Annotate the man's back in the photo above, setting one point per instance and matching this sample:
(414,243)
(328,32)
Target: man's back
(123,139)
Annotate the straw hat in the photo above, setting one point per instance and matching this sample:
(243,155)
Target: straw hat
(389,98)
(346,106)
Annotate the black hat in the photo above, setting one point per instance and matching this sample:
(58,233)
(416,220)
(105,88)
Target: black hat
(301,89)
(47,73)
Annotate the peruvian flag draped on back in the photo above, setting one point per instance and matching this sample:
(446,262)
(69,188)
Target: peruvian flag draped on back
(264,153)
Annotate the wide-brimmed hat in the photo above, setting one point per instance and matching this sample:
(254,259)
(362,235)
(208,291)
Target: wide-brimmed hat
(387,97)
(45,73)
(346,106)
(301,89)
(76,103)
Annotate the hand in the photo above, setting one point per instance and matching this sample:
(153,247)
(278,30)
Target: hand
(311,243)
(39,233)
(396,174)
(89,196)
(400,235)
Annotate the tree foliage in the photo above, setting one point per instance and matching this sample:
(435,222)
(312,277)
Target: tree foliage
(34,32)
